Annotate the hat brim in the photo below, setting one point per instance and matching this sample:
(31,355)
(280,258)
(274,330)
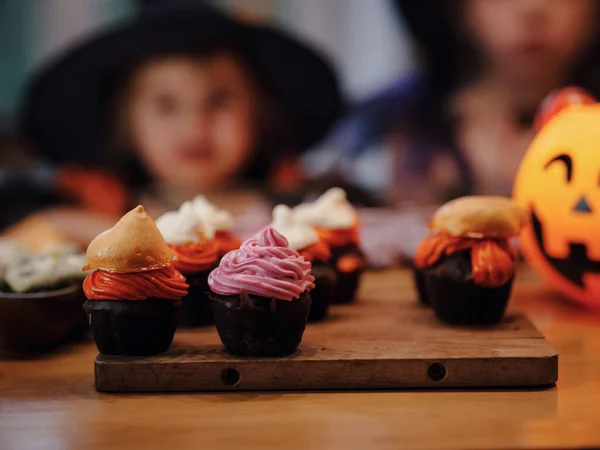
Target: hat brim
(64,112)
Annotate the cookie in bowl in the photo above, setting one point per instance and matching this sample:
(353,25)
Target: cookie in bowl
(41,300)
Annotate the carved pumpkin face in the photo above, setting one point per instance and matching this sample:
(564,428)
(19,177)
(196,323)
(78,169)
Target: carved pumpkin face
(559,184)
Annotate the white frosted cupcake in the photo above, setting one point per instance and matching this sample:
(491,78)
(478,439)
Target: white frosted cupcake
(336,223)
(220,221)
(304,239)
(196,254)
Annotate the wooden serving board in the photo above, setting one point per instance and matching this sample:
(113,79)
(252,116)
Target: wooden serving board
(383,341)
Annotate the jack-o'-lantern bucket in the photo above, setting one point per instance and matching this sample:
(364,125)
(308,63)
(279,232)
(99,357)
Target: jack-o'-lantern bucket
(558,183)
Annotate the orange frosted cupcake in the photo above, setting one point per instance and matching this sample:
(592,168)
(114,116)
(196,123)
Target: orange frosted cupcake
(195,256)
(134,290)
(305,240)
(468,264)
(336,223)
(220,222)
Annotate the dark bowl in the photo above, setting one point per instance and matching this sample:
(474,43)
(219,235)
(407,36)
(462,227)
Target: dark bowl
(37,322)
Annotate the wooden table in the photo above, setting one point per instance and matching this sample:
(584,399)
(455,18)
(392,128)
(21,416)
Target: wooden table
(51,403)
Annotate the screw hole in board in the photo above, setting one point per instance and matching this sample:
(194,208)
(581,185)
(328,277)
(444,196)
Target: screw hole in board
(230,376)
(436,372)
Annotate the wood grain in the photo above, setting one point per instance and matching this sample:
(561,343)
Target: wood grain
(378,343)
(51,403)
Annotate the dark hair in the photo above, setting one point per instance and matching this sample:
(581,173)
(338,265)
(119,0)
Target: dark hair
(275,138)
(452,60)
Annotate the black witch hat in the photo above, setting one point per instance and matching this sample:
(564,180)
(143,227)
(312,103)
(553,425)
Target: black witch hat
(64,112)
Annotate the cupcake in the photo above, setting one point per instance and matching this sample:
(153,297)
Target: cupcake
(195,256)
(41,300)
(218,220)
(419,282)
(134,290)
(261,296)
(304,239)
(336,223)
(468,263)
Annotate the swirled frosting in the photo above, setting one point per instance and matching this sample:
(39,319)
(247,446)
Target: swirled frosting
(319,251)
(265,266)
(339,237)
(218,219)
(160,283)
(299,235)
(332,210)
(183,226)
(194,258)
(226,241)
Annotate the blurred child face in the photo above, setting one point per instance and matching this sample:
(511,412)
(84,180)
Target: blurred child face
(193,121)
(529,40)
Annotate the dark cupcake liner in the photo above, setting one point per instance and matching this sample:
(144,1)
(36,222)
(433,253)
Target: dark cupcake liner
(133,327)
(465,303)
(196,307)
(322,293)
(348,282)
(347,287)
(420,286)
(456,299)
(338,251)
(38,322)
(250,325)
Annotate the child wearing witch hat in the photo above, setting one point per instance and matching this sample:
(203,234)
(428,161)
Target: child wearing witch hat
(182,97)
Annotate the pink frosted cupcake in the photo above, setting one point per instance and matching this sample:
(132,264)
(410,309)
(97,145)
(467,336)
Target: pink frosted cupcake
(261,296)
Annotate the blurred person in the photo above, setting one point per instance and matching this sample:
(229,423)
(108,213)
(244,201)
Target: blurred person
(183,98)
(461,124)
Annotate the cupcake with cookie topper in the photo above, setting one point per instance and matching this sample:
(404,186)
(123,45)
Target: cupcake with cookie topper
(134,291)
(305,240)
(261,296)
(336,223)
(468,262)
(195,256)
(220,222)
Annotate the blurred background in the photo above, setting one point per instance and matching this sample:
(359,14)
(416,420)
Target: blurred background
(105,104)
(365,42)
(348,31)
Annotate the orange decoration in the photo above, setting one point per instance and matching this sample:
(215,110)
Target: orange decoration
(95,190)
(492,260)
(161,283)
(226,241)
(558,101)
(319,251)
(433,247)
(340,236)
(194,258)
(558,184)
(349,263)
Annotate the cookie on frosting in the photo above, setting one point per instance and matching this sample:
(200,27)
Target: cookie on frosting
(134,244)
(479,216)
